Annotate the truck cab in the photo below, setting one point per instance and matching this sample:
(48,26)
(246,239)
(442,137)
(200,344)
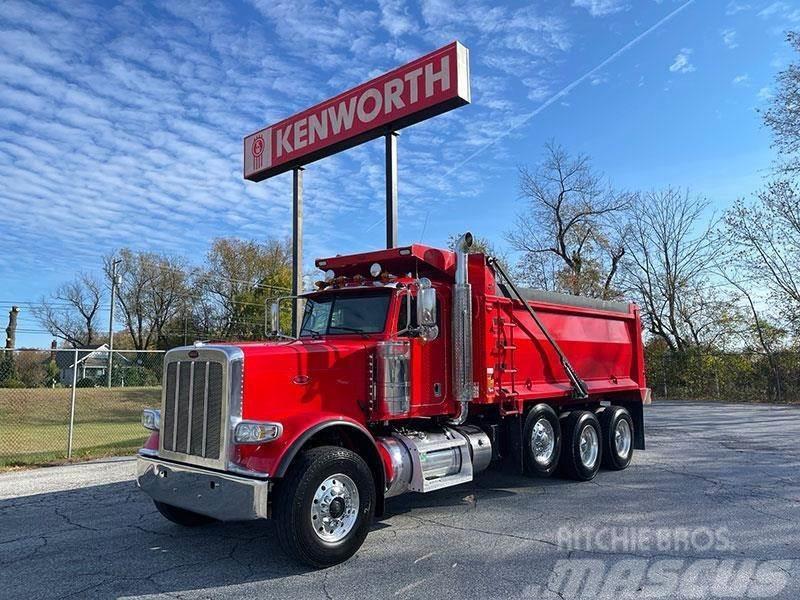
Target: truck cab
(413,371)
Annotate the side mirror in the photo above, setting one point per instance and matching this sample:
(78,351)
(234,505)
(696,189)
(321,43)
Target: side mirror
(275,318)
(426,307)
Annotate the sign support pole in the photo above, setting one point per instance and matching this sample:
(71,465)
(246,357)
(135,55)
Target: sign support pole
(297,248)
(391,189)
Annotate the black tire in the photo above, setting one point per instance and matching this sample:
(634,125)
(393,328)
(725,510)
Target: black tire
(181,516)
(612,457)
(536,414)
(573,425)
(294,496)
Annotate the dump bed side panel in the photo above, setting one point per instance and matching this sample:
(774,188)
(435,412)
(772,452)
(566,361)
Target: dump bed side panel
(603,346)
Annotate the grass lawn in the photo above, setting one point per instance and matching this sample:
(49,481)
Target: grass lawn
(34,423)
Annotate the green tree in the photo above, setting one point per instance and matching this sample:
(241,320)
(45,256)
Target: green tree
(8,369)
(240,279)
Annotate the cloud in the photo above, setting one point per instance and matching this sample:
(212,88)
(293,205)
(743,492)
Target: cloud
(395,17)
(736,7)
(123,126)
(682,64)
(764,94)
(602,8)
(780,10)
(741,79)
(729,38)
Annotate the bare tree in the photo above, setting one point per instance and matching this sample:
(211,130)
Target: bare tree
(783,115)
(670,250)
(150,293)
(570,214)
(765,238)
(480,245)
(71,312)
(767,337)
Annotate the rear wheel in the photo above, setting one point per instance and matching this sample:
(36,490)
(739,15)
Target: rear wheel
(582,450)
(617,428)
(541,441)
(324,506)
(181,516)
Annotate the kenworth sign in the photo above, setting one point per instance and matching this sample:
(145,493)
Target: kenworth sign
(428,86)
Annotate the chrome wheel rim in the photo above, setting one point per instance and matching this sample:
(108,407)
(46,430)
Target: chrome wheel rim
(623,438)
(543,442)
(334,510)
(589,446)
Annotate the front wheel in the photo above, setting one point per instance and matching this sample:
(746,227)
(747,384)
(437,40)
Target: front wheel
(324,506)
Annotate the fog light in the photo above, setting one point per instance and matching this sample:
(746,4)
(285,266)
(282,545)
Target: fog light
(256,432)
(151,419)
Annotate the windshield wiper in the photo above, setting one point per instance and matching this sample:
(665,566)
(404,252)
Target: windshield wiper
(315,335)
(345,328)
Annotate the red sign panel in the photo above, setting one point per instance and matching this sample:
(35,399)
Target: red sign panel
(428,86)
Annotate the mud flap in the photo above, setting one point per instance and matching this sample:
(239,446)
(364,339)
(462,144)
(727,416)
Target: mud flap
(637,414)
(513,447)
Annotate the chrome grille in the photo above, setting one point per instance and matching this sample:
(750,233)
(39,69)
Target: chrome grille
(193,408)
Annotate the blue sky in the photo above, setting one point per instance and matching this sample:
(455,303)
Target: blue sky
(121,122)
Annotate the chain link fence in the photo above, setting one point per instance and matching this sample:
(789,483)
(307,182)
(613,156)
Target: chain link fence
(74,403)
(725,376)
(66,403)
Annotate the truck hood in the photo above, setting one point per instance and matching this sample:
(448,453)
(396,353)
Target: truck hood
(282,379)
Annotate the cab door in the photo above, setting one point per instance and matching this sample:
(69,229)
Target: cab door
(430,362)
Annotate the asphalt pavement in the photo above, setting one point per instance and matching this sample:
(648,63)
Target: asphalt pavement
(710,509)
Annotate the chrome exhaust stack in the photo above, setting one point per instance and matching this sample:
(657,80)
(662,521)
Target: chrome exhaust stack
(462,330)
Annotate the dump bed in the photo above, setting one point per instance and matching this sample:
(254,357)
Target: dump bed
(601,339)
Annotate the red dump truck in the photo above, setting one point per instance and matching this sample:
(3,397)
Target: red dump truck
(415,369)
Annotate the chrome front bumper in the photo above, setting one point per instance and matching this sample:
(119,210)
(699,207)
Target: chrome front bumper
(219,495)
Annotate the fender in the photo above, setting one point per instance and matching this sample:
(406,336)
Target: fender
(328,422)
(368,450)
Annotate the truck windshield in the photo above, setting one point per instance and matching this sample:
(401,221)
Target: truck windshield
(346,312)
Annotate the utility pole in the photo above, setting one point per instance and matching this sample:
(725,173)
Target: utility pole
(115,281)
(11,330)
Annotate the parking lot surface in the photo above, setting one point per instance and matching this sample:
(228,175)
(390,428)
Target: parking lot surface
(711,509)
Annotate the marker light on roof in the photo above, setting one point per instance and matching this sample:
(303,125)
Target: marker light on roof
(405,251)
(375,270)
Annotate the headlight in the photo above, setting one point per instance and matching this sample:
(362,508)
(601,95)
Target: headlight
(151,419)
(256,432)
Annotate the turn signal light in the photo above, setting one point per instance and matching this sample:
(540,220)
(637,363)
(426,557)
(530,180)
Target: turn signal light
(151,419)
(256,432)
